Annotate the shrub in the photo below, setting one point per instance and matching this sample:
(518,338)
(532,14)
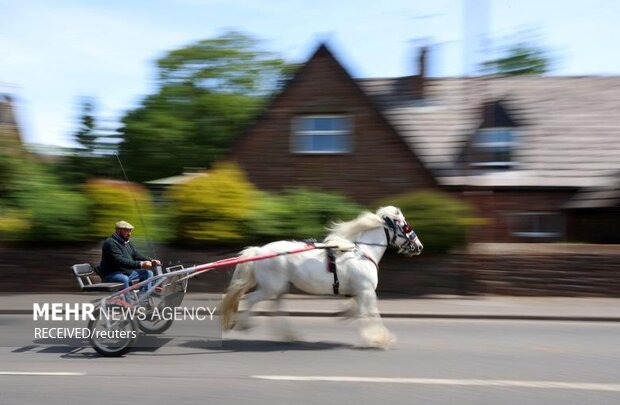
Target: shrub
(111,201)
(298,213)
(440,221)
(45,208)
(14,224)
(214,207)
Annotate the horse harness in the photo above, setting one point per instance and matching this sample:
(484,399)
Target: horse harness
(332,268)
(389,224)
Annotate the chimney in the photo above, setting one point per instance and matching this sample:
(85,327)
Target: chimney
(8,126)
(417,81)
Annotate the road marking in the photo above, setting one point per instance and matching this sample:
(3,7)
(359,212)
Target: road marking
(442,381)
(44,373)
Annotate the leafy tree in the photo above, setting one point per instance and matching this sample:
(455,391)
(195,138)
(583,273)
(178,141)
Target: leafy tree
(39,207)
(519,59)
(86,135)
(94,156)
(207,93)
(35,204)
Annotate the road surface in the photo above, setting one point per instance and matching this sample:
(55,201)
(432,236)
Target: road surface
(434,362)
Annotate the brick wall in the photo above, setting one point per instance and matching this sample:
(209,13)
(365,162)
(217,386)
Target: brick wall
(498,205)
(537,270)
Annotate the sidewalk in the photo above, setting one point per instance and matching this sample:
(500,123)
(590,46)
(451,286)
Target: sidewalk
(432,307)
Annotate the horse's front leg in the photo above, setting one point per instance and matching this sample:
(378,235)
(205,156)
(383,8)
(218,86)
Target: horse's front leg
(373,332)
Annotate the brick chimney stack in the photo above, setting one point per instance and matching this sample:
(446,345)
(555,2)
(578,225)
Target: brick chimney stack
(8,126)
(417,81)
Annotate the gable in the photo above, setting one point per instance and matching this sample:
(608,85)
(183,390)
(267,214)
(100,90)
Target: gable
(381,163)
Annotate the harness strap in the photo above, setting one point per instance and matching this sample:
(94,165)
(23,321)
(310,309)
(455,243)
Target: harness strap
(331,267)
(364,255)
(387,235)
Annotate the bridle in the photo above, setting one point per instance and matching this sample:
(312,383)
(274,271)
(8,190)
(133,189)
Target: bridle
(404,231)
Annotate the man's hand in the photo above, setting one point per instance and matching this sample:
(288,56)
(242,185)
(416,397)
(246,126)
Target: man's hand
(156,262)
(146,264)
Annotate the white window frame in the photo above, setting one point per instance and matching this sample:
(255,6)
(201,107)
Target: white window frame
(295,133)
(498,144)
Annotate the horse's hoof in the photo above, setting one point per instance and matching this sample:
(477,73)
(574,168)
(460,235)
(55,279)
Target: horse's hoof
(378,337)
(289,336)
(241,326)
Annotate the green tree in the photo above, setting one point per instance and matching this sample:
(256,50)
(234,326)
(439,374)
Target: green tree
(207,93)
(86,134)
(94,156)
(39,207)
(519,59)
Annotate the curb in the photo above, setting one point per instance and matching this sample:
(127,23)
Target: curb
(491,317)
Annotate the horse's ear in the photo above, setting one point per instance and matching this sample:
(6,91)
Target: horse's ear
(388,221)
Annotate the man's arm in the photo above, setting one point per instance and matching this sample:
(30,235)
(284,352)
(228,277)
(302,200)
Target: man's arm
(116,252)
(139,256)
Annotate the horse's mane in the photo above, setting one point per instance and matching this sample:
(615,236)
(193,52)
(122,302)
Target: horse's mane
(350,229)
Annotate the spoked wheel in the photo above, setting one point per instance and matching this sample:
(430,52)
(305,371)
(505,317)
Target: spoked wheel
(168,299)
(111,333)
(154,321)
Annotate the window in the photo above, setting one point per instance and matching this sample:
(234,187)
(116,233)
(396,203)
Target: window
(542,225)
(492,148)
(322,134)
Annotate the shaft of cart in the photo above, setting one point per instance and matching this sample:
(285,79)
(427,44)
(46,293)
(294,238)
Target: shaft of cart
(154,283)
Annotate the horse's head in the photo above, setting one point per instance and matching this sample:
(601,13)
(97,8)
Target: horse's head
(399,233)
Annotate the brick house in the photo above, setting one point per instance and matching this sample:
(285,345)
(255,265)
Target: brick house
(538,155)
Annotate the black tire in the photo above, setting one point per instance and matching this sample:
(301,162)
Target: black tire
(109,346)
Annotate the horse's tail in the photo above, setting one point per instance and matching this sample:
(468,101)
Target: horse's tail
(242,280)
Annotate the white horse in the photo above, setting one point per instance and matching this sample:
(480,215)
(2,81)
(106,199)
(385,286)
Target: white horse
(361,245)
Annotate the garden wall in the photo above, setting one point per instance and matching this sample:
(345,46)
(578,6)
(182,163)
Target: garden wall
(493,269)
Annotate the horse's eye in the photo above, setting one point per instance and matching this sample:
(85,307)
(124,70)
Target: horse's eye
(407,228)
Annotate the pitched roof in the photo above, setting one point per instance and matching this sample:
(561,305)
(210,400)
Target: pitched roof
(569,133)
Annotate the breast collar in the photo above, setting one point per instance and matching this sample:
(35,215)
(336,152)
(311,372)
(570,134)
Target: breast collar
(364,255)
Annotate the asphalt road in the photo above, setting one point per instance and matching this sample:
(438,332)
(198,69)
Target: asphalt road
(434,362)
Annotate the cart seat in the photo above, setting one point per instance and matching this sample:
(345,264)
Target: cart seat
(83,273)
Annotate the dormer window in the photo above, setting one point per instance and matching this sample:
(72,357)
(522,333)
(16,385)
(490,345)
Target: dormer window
(492,148)
(322,134)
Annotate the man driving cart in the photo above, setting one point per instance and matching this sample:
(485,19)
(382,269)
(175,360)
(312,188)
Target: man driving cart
(120,261)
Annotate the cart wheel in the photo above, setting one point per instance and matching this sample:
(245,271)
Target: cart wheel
(155,323)
(114,336)
(154,326)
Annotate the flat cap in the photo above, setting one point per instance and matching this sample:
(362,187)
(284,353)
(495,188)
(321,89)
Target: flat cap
(123,225)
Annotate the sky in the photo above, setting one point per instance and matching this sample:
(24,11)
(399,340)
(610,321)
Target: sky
(56,51)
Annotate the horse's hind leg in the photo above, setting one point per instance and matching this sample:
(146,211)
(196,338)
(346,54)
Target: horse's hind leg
(374,333)
(282,325)
(243,318)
